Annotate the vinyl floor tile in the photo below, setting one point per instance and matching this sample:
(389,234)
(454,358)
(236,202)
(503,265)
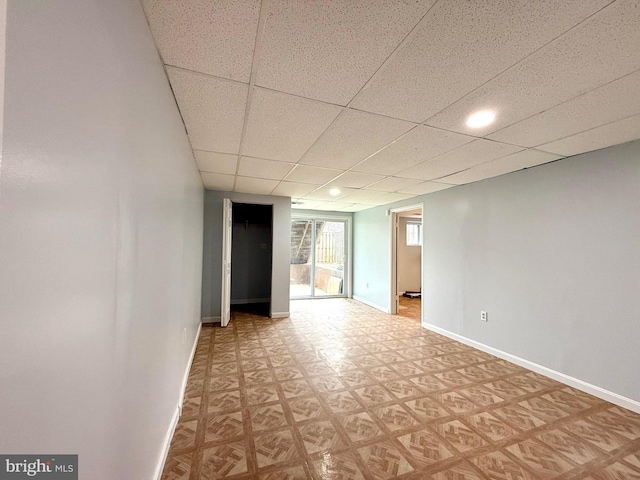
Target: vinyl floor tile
(340,466)
(321,436)
(384,460)
(426,447)
(342,391)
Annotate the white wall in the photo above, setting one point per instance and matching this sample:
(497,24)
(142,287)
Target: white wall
(409,260)
(3,47)
(100,239)
(212,255)
(552,254)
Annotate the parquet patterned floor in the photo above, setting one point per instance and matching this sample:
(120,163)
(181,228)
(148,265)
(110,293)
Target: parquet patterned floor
(342,391)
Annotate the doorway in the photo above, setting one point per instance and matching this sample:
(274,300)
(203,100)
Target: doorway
(406,262)
(251,258)
(319,252)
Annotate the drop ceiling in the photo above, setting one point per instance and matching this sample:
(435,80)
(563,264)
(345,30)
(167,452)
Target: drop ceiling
(297,98)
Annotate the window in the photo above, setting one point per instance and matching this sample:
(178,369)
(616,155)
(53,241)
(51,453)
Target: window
(414,234)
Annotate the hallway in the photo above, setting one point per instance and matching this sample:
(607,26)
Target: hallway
(343,391)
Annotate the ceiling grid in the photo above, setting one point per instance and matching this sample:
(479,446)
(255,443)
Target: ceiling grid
(343,106)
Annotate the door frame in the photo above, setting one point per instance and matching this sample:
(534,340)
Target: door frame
(227,229)
(394,215)
(348,264)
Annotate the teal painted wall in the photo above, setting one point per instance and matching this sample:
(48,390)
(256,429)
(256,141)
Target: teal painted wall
(551,252)
(372,256)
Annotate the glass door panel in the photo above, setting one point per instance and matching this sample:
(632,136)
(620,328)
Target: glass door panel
(301,258)
(318,254)
(329,259)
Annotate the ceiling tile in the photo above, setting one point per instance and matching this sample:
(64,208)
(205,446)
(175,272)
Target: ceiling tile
(283,127)
(217,181)
(355,179)
(601,137)
(312,175)
(294,190)
(305,204)
(259,186)
(464,157)
(327,50)
(356,207)
(425,187)
(324,195)
(216,162)
(366,197)
(614,101)
(510,163)
(212,109)
(459,46)
(396,197)
(391,184)
(335,206)
(211,37)
(260,168)
(352,137)
(579,61)
(420,144)
(369,197)
(563,76)
(352,207)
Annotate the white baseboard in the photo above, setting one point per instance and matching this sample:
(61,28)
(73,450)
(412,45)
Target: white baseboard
(185,379)
(594,390)
(166,444)
(216,319)
(280,314)
(371,304)
(176,416)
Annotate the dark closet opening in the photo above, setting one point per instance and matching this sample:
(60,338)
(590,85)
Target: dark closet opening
(251,258)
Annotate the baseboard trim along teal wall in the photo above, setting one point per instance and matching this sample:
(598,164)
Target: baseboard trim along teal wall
(594,390)
(166,444)
(371,304)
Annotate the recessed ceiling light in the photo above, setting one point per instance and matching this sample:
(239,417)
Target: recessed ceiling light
(481,119)
(334,191)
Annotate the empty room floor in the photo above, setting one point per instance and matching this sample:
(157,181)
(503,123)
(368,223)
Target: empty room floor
(410,307)
(343,391)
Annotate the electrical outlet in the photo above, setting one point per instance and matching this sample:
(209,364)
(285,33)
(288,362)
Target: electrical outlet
(483,316)
(367,284)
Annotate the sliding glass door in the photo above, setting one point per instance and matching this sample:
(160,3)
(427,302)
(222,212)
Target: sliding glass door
(318,258)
